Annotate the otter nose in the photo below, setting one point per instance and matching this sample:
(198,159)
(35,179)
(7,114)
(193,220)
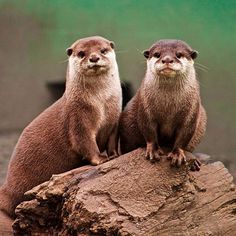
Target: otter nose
(94,58)
(167,60)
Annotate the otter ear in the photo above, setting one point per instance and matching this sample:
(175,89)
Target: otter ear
(194,54)
(69,51)
(112,45)
(146,53)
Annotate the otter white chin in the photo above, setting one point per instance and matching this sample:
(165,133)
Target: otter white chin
(79,127)
(166,114)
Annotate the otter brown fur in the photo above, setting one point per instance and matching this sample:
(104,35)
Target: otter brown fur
(79,126)
(166,112)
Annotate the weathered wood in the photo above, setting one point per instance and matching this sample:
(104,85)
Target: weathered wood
(131,196)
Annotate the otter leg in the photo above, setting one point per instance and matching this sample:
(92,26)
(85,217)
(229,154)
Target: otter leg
(83,140)
(183,135)
(86,146)
(153,152)
(187,138)
(89,150)
(149,131)
(112,145)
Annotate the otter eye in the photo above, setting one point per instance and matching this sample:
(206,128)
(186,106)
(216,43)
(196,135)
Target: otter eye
(81,54)
(157,54)
(104,50)
(179,54)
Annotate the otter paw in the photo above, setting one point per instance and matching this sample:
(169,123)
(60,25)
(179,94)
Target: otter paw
(177,158)
(154,155)
(194,164)
(113,155)
(98,159)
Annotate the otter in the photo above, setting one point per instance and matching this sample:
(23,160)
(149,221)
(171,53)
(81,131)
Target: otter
(81,125)
(165,115)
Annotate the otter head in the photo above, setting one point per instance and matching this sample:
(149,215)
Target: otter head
(91,56)
(169,58)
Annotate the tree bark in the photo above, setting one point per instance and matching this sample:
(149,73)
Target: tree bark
(131,196)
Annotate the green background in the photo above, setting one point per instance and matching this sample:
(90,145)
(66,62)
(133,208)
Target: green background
(49,27)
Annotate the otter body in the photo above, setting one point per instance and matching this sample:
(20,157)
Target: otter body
(79,126)
(166,112)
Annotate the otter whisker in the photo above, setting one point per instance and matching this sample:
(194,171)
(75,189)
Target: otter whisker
(64,61)
(139,50)
(142,62)
(202,69)
(201,65)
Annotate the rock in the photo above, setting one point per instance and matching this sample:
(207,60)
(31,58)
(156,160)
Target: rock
(131,196)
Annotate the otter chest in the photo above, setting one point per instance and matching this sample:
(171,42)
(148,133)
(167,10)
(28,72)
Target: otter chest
(170,110)
(107,109)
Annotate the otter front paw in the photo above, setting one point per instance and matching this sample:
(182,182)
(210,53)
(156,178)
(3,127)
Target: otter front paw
(177,157)
(153,154)
(98,159)
(112,155)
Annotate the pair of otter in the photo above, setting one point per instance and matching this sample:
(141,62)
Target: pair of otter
(165,112)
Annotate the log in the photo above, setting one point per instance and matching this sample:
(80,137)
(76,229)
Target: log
(131,196)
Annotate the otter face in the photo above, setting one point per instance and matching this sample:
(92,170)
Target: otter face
(91,56)
(169,58)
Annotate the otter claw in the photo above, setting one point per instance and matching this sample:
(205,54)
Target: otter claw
(115,155)
(177,158)
(99,159)
(153,155)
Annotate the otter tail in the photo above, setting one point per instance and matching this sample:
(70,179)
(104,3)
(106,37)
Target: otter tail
(5,225)
(5,209)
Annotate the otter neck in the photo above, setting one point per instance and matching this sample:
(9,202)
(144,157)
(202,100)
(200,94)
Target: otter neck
(178,83)
(79,85)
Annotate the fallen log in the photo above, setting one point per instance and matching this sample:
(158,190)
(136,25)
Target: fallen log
(131,196)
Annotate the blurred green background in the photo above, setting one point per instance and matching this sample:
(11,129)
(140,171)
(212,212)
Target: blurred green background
(35,34)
